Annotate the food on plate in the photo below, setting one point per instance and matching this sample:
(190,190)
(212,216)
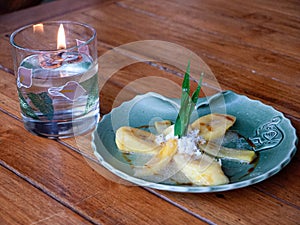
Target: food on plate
(213,126)
(200,172)
(222,152)
(183,153)
(192,159)
(160,161)
(129,139)
(161,126)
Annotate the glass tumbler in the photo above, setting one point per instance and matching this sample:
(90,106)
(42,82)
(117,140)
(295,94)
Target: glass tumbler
(56,72)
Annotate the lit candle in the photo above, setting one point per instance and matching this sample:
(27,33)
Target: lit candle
(62,58)
(58,89)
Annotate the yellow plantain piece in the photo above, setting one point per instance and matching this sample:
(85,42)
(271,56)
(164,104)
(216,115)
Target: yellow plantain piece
(129,139)
(215,150)
(160,126)
(158,164)
(213,126)
(205,171)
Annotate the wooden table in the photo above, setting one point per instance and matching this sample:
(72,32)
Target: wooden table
(253,49)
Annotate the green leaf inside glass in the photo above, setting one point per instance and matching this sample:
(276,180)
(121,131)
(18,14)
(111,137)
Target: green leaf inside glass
(43,102)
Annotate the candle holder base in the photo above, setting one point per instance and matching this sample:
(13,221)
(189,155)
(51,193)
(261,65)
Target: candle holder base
(61,129)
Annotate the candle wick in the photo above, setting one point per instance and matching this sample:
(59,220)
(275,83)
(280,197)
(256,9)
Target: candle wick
(52,61)
(60,54)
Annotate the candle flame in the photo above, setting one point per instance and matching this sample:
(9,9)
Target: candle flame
(61,38)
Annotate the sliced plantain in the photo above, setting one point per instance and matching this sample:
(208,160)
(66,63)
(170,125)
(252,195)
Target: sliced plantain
(205,171)
(242,155)
(130,139)
(213,126)
(157,168)
(169,131)
(160,126)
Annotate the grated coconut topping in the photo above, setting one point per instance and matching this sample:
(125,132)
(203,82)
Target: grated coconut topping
(187,144)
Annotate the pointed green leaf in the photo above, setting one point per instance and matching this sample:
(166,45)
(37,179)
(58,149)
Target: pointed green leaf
(187,104)
(182,118)
(195,95)
(186,80)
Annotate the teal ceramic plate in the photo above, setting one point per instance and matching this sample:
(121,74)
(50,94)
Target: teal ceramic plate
(271,133)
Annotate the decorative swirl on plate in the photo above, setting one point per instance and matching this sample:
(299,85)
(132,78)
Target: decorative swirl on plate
(268,135)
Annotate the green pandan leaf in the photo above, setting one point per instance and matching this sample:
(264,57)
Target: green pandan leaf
(182,119)
(25,107)
(43,102)
(196,93)
(186,80)
(187,104)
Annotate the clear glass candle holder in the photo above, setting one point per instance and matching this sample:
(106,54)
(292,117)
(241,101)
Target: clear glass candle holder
(57,78)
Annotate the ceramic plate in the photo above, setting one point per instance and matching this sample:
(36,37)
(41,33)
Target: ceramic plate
(271,133)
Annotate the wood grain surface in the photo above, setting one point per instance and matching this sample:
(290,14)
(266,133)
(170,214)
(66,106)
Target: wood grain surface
(251,47)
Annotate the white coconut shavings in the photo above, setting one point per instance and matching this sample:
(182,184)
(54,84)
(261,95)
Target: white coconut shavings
(189,143)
